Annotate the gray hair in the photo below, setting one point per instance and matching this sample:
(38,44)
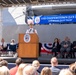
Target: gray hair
(29,70)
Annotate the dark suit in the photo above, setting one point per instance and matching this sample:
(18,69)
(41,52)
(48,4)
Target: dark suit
(73,48)
(40,45)
(56,48)
(13,47)
(55,70)
(65,49)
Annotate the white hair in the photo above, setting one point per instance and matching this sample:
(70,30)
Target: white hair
(65,72)
(12,40)
(4,70)
(30,21)
(36,64)
(29,70)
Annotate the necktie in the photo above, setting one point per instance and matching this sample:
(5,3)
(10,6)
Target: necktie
(30,30)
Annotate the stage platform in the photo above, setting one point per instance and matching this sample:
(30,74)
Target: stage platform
(47,58)
(43,59)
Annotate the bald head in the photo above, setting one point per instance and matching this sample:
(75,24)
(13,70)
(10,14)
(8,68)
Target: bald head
(54,61)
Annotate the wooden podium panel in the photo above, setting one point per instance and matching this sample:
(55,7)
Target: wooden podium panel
(30,49)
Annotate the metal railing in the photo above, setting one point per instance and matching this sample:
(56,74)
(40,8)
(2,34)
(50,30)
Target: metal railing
(21,2)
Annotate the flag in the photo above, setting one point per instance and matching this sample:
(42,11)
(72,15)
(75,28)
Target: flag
(46,48)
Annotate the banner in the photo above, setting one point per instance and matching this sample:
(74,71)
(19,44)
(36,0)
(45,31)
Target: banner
(46,48)
(53,19)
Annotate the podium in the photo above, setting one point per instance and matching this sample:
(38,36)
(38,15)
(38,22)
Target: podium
(28,46)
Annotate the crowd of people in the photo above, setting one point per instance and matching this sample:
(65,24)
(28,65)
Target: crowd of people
(8,47)
(23,68)
(66,48)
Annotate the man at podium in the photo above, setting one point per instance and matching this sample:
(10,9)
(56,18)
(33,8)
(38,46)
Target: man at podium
(29,46)
(31,29)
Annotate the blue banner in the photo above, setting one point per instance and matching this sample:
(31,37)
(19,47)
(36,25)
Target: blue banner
(49,19)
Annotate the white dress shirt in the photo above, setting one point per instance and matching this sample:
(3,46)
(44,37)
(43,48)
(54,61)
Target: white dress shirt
(4,44)
(31,30)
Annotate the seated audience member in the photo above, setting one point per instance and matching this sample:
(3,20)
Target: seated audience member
(14,69)
(73,49)
(12,46)
(56,46)
(65,72)
(1,59)
(59,44)
(46,71)
(65,47)
(3,45)
(4,70)
(13,42)
(72,68)
(4,63)
(36,64)
(29,70)
(54,63)
(20,69)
